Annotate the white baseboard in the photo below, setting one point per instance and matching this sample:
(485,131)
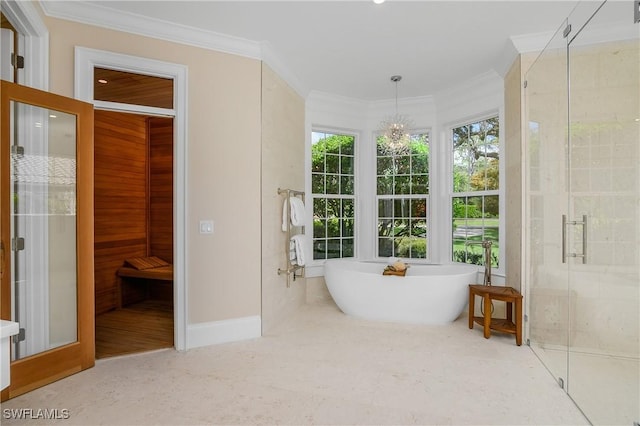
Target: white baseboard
(231,330)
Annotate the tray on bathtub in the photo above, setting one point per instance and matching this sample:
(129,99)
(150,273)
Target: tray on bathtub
(389,271)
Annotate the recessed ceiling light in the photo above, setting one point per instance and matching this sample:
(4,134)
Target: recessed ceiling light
(378,1)
(52,116)
(102,81)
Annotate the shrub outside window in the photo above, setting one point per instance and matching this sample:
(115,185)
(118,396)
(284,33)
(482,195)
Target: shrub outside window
(402,180)
(475,198)
(333,194)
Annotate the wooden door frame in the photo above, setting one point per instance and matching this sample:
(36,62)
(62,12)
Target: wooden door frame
(45,367)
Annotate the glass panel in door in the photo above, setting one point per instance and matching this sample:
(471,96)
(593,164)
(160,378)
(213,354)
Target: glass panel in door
(547,298)
(43,228)
(46,217)
(604,105)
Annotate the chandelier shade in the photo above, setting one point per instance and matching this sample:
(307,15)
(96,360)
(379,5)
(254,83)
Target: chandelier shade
(394,130)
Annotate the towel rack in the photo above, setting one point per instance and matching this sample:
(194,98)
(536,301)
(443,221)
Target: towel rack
(291,269)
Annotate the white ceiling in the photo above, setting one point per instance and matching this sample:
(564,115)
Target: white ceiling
(352,48)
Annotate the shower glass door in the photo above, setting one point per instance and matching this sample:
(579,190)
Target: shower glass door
(548,293)
(604,193)
(583,210)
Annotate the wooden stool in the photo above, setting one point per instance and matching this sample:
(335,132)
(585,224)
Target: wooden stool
(505,294)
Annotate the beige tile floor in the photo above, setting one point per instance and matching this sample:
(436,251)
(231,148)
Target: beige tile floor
(320,367)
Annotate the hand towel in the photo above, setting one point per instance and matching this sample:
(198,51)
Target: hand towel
(300,242)
(296,212)
(292,251)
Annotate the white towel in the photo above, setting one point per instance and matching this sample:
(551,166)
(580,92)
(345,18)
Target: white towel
(299,242)
(292,251)
(296,212)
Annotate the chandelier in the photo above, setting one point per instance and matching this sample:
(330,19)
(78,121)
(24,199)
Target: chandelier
(394,130)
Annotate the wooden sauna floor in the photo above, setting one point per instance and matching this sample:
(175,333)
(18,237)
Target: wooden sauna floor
(138,327)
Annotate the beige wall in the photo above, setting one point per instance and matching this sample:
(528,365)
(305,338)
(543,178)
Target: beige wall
(283,149)
(223,161)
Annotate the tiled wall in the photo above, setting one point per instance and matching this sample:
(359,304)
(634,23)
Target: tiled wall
(283,147)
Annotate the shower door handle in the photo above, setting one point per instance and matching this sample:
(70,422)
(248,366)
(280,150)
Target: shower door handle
(583,223)
(564,238)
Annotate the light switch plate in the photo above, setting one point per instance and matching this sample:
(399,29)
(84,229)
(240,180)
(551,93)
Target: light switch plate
(206,227)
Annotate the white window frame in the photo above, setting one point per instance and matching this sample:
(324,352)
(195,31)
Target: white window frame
(448,240)
(429,198)
(355,197)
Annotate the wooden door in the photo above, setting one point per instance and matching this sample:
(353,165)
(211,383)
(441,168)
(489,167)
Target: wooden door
(46,228)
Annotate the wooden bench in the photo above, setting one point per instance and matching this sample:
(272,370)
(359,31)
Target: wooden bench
(505,294)
(148,273)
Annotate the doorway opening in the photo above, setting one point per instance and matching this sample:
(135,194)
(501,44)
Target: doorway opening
(134,255)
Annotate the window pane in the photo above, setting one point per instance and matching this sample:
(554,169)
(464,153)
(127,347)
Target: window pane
(401,208)
(347,146)
(346,165)
(402,185)
(333,184)
(317,183)
(419,208)
(346,185)
(420,184)
(403,165)
(385,208)
(333,227)
(385,185)
(332,164)
(385,247)
(347,228)
(333,248)
(132,88)
(319,228)
(347,208)
(347,247)
(320,207)
(319,249)
(385,227)
(385,166)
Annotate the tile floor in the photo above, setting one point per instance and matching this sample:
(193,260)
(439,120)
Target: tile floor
(320,367)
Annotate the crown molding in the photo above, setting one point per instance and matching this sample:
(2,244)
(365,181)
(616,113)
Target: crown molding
(269,57)
(100,16)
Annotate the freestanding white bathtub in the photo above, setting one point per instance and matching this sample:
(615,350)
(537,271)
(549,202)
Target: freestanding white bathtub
(428,294)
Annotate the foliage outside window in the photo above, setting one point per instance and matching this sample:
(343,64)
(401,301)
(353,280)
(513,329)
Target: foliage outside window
(332,188)
(402,180)
(475,198)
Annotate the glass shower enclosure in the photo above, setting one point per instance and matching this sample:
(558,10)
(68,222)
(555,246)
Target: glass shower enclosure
(582,269)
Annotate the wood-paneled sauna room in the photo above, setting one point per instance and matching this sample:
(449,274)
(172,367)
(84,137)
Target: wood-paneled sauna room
(133,215)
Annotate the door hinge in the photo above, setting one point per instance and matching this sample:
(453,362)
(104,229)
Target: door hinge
(566,31)
(21,336)
(525,84)
(636,17)
(17,61)
(17,150)
(17,244)
(526,317)
(561,382)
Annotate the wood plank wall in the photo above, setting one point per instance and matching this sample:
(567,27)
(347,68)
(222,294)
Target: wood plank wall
(160,234)
(161,188)
(131,200)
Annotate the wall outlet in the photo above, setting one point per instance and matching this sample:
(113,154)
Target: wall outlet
(206,227)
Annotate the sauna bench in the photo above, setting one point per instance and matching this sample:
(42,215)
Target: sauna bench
(161,273)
